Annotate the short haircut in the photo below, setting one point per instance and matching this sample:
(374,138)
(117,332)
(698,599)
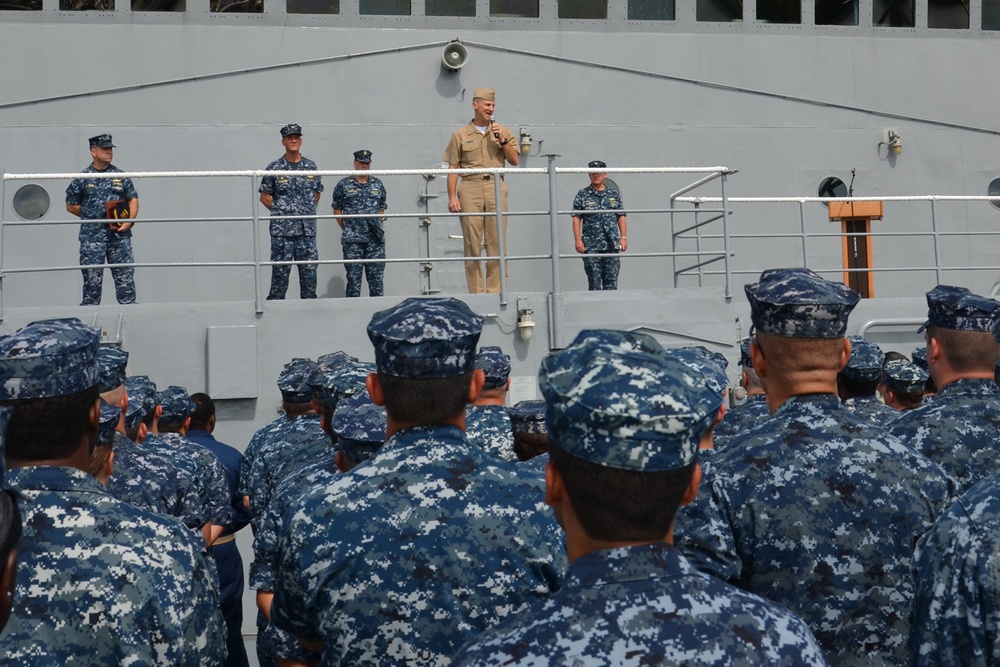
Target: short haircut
(133,433)
(966,351)
(204,410)
(908,401)
(616,505)
(425,401)
(150,417)
(98,458)
(892,355)
(48,428)
(800,355)
(171,427)
(858,387)
(529,445)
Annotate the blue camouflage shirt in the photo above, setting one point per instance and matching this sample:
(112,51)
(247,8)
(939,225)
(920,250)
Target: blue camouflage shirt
(201,465)
(412,554)
(354,198)
(741,420)
(870,409)
(292,195)
(820,511)
(959,430)
(102,582)
(90,194)
(489,427)
(599,231)
(645,605)
(956,613)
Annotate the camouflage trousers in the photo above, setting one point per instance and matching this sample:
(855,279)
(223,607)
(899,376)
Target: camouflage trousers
(373,272)
(112,248)
(288,249)
(602,272)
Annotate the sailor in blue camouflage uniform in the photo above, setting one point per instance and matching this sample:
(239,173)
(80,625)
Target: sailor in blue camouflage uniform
(919,358)
(857,384)
(816,509)
(752,412)
(293,239)
(960,428)
(109,242)
(626,430)
(531,438)
(362,238)
(599,232)
(98,581)
(358,430)
(956,613)
(430,542)
(902,385)
(487,422)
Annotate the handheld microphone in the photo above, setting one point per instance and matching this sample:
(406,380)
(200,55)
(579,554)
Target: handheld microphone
(496,133)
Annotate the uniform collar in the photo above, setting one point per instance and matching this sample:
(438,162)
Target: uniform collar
(51,478)
(969,387)
(624,564)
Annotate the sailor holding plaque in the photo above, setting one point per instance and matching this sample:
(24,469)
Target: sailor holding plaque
(111,199)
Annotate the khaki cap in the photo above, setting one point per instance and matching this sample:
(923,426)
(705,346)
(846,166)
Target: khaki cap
(485,94)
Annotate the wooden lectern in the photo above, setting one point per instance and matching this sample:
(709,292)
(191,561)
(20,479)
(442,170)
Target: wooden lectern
(856,218)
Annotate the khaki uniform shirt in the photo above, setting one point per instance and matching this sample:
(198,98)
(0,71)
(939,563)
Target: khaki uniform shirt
(470,149)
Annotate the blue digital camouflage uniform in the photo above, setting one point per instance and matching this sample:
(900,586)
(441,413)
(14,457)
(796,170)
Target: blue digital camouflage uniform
(302,442)
(960,428)
(635,410)
(489,427)
(746,416)
(292,239)
(865,365)
(956,613)
(527,418)
(98,243)
(600,234)
(98,580)
(202,464)
(431,523)
(815,508)
(645,605)
(362,238)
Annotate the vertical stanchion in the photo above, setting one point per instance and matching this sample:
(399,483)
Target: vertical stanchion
(725,237)
(937,249)
(257,277)
(501,239)
(556,310)
(697,244)
(802,232)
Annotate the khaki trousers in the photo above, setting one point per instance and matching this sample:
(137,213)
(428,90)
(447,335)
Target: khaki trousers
(479,196)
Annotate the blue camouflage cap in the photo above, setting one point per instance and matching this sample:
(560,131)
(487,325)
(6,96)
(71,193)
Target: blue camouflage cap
(111,362)
(133,414)
(110,415)
(919,358)
(745,360)
(176,403)
(425,338)
(626,409)
(363,156)
(703,361)
(101,141)
(360,426)
(293,380)
(867,359)
(495,365)
(290,129)
(350,381)
(48,358)
(902,376)
(528,417)
(952,307)
(597,164)
(327,366)
(141,390)
(797,303)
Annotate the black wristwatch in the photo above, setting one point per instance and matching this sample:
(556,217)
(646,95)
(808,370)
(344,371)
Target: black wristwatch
(505,142)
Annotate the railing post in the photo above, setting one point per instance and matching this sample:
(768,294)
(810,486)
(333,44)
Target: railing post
(697,244)
(258,285)
(501,239)
(556,314)
(937,250)
(802,231)
(673,241)
(725,237)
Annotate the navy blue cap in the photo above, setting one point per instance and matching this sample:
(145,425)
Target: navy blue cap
(919,358)
(290,129)
(745,360)
(710,365)
(293,380)
(48,358)
(597,164)
(363,156)
(101,141)
(528,417)
(625,408)
(425,338)
(360,426)
(110,414)
(495,366)
(176,403)
(867,359)
(111,362)
(797,303)
(957,308)
(134,414)
(902,376)
(142,390)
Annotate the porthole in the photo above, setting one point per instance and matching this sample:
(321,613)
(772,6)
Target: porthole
(994,191)
(831,186)
(31,202)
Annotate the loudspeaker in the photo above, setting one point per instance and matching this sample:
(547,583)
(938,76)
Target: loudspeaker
(454,56)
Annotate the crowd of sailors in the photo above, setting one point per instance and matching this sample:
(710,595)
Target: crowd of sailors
(847,512)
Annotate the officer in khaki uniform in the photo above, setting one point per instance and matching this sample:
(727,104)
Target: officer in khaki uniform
(480,145)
